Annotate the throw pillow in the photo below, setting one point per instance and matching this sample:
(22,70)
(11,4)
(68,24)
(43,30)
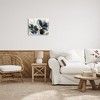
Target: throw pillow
(91,56)
(62,61)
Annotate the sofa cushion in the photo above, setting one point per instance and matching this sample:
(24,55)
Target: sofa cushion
(78,53)
(72,56)
(10,68)
(75,68)
(56,54)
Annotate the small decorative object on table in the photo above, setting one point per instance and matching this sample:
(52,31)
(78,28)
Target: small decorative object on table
(39,70)
(87,74)
(39,56)
(98,74)
(96,55)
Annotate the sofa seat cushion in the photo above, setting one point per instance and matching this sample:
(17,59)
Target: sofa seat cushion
(75,68)
(10,68)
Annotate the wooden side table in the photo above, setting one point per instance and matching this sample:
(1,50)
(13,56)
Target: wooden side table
(39,70)
(83,81)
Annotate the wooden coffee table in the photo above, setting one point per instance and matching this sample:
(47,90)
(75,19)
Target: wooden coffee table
(83,82)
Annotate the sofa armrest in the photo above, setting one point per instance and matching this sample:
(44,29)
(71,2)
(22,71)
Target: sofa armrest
(55,70)
(54,64)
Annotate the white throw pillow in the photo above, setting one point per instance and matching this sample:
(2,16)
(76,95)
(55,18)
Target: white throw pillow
(62,61)
(11,68)
(72,56)
(91,55)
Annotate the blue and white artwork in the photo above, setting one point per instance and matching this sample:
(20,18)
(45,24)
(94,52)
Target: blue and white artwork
(38,26)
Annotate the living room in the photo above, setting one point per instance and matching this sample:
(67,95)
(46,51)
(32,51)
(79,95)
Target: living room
(40,31)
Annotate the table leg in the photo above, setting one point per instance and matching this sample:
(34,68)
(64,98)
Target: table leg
(80,84)
(93,84)
(45,74)
(84,86)
(99,86)
(0,78)
(32,74)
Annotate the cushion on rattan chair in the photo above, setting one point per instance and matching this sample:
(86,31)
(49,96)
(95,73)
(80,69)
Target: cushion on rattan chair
(10,68)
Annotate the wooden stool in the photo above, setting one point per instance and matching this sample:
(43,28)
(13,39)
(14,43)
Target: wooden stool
(83,81)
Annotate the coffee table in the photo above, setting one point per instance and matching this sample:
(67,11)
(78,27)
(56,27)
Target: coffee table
(83,82)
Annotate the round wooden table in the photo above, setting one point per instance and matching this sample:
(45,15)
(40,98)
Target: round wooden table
(83,81)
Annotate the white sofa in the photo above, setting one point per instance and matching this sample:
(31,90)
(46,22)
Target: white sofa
(65,74)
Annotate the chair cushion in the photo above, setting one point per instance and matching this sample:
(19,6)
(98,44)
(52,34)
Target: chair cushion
(10,68)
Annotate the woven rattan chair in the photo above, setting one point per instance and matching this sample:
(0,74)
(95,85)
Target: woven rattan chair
(11,66)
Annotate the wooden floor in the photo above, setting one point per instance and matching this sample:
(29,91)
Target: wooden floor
(15,90)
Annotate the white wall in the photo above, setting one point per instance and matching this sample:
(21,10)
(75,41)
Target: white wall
(73,24)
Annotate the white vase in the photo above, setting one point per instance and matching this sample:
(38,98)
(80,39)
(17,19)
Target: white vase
(38,60)
(94,71)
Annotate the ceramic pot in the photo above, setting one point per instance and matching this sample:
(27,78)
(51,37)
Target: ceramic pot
(38,60)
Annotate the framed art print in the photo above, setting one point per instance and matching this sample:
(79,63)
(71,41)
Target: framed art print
(38,26)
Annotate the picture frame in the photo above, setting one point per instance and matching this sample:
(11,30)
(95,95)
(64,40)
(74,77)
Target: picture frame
(38,26)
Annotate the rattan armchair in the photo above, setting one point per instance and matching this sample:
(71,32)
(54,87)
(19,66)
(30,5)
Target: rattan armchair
(11,66)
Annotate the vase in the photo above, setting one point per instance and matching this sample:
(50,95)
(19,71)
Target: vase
(38,60)
(94,71)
